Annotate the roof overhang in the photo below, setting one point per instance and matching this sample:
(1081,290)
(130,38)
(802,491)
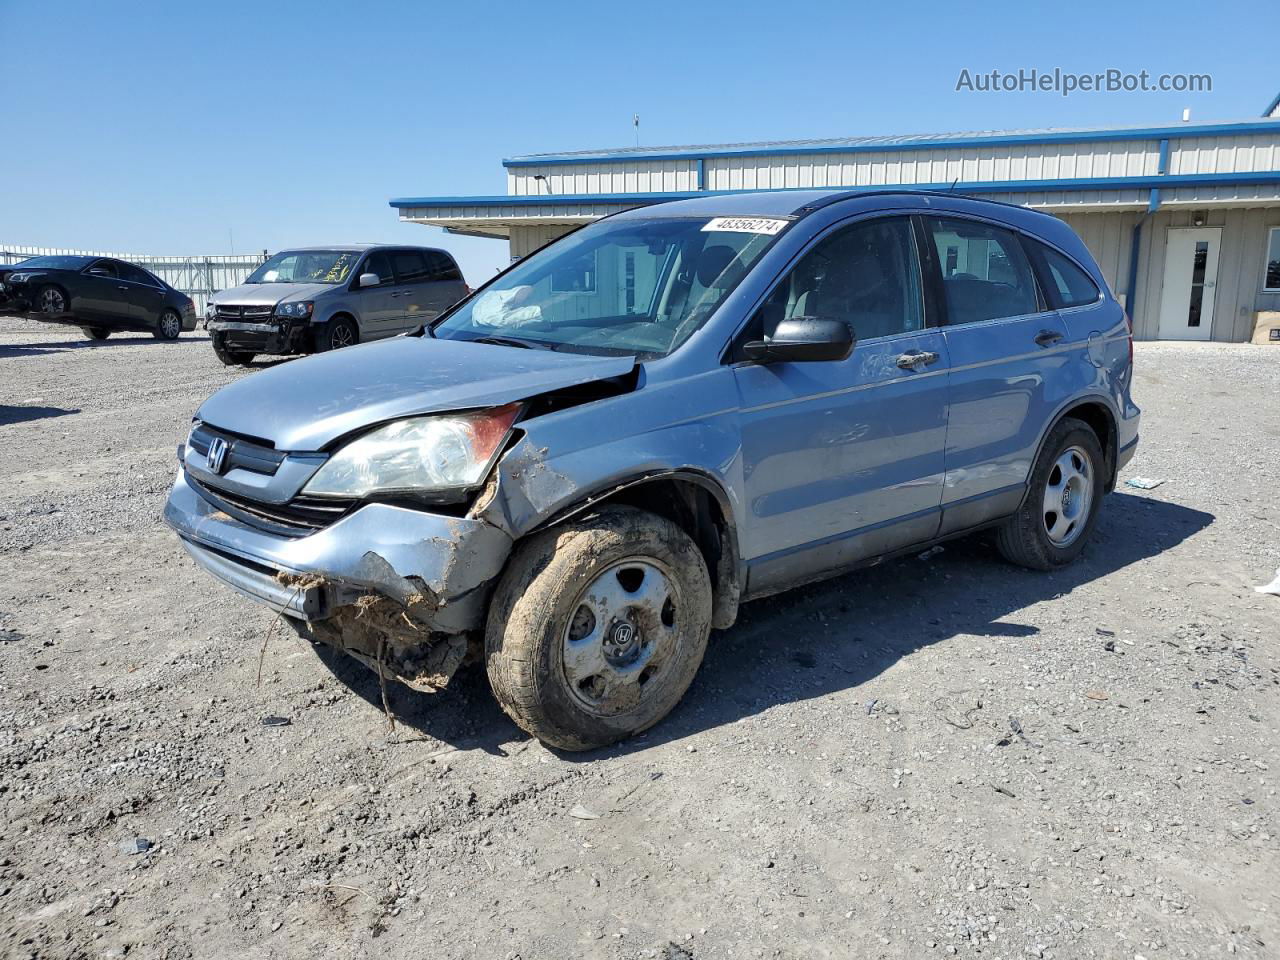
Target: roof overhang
(495,216)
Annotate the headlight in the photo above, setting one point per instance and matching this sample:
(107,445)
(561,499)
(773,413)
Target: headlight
(443,454)
(210,310)
(20,277)
(298,308)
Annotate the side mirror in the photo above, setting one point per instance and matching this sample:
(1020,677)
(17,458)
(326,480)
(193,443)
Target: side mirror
(369,280)
(803,339)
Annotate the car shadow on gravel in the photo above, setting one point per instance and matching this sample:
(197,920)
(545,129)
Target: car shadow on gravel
(830,636)
(60,346)
(10,415)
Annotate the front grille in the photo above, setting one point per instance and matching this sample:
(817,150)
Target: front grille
(241,451)
(253,313)
(300,516)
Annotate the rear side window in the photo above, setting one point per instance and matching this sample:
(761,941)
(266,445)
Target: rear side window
(441,266)
(136,275)
(985,274)
(409,265)
(1066,284)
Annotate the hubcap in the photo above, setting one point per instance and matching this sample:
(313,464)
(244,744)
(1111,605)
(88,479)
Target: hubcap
(622,636)
(169,326)
(1068,495)
(342,336)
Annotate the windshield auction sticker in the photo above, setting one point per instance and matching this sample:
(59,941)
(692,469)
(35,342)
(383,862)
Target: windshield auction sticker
(745,225)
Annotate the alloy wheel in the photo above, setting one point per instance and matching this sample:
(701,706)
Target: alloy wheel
(52,301)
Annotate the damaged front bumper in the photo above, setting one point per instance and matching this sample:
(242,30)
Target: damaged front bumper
(387,584)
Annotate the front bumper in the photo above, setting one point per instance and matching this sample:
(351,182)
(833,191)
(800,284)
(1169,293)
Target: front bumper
(438,565)
(278,337)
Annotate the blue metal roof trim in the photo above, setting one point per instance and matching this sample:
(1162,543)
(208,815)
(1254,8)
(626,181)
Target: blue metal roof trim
(1271,108)
(1164,181)
(907,142)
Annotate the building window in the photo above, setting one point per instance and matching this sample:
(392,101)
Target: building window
(1271,269)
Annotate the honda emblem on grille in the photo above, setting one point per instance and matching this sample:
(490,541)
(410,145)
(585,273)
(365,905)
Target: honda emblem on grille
(217,456)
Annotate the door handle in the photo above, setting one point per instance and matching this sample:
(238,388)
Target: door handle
(122,287)
(916,358)
(1047,338)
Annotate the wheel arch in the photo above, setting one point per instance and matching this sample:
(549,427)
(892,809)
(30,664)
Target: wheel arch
(699,505)
(1095,411)
(341,313)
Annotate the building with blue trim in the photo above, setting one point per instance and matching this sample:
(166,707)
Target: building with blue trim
(1184,219)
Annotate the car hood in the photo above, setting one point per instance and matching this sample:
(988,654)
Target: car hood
(307,404)
(272,293)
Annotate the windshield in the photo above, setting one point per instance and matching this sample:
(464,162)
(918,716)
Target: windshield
(53,263)
(306,266)
(617,287)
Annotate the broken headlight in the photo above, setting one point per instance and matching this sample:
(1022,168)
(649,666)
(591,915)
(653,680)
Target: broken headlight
(449,453)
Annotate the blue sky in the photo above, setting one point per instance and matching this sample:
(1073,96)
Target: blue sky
(174,127)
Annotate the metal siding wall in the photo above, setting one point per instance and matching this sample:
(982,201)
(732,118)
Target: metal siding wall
(631,176)
(1229,154)
(943,165)
(525,240)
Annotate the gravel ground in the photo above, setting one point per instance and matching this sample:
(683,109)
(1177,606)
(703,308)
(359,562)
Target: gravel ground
(945,756)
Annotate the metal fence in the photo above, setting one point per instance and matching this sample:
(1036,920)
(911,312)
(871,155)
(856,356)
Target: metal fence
(197,277)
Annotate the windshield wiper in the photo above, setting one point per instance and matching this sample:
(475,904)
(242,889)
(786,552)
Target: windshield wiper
(512,342)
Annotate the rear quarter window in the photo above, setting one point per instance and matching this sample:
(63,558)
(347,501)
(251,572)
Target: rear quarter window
(1066,285)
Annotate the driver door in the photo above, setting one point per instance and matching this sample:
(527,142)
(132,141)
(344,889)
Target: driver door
(843,460)
(380,307)
(104,295)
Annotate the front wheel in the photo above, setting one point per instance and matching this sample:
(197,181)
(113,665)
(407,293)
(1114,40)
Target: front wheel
(1061,509)
(338,333)
(169,327)
(96,333)
(51,300)
(597,627)
(232,358)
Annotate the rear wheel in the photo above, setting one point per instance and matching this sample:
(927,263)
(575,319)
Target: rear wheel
(96,333)
(169,327)
(232,358)
(597,627)
(1059,514)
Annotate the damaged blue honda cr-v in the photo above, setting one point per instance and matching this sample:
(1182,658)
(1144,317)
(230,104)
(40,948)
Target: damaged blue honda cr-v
(580,470)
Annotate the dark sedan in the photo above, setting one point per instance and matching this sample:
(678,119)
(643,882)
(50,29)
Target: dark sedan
(98,294)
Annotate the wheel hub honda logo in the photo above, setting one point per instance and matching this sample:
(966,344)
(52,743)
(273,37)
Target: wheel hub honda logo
(217,455)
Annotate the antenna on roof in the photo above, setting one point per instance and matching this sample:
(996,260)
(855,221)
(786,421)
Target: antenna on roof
(635,122)
(951,189)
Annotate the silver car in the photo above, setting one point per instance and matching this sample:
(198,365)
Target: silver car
(579,471)
(320,298)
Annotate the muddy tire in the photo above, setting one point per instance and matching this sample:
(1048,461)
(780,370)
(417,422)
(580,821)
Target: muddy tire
(1061,509)
(597,627)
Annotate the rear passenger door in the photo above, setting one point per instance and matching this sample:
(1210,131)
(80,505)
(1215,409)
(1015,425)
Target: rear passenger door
(1007,353)
(412,288)
(844,459)
(144,294)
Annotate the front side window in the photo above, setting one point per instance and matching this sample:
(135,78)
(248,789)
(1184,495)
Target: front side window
(1271,269)
(985,274)
(379,264)
(103,268)
(866,275)
(618,286)
(306,266)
